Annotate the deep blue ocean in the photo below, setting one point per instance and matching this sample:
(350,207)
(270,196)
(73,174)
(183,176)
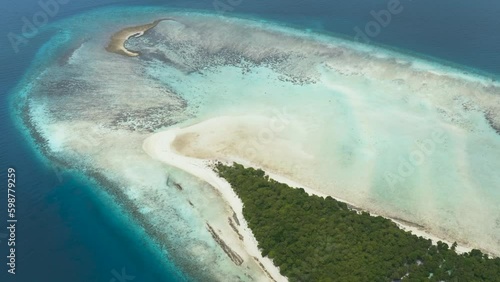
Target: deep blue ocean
(69,231)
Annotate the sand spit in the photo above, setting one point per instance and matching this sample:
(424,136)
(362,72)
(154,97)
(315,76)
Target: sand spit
(158,147)
(117,41)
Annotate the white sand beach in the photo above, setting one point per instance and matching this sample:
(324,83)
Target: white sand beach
(158,147)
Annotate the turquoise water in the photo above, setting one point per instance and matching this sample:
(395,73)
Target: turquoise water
(92,259)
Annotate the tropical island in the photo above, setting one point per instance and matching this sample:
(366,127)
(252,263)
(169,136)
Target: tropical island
(312,238)
(147,115)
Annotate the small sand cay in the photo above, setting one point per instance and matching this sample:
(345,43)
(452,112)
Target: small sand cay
(117,42)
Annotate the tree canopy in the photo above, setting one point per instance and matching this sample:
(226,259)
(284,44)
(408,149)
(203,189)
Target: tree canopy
(312,238)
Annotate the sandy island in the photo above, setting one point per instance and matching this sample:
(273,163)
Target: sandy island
(117,41)
(159,147)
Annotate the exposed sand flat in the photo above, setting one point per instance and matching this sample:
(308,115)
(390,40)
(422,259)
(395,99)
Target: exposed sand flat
(162,146)
(117,41)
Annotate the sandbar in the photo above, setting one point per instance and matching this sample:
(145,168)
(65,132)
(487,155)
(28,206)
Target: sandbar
(117,41)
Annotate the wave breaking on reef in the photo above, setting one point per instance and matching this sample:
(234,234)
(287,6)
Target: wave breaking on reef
(391,134)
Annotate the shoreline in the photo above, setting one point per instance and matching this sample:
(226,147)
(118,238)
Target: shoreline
(158,146)
(414,228)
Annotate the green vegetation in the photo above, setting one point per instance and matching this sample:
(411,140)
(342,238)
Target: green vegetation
(320,239)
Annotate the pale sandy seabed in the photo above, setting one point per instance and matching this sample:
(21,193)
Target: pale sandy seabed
(390,134)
